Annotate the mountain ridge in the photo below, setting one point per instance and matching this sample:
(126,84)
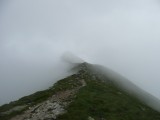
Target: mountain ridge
(89,94)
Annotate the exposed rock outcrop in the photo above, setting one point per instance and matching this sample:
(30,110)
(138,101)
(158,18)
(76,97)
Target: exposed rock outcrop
(53,107)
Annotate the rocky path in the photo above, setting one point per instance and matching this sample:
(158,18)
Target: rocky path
(51,108)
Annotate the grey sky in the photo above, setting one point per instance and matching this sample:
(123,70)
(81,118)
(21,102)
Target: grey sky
(123,35)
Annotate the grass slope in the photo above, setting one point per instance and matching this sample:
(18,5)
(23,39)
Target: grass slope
(104,101)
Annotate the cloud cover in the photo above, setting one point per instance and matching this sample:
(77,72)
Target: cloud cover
(120,34)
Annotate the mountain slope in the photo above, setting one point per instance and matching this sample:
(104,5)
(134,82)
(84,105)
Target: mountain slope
(89,94)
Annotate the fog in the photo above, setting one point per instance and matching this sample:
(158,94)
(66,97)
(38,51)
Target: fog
(122,35)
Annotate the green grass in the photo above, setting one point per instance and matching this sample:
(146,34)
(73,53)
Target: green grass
(66,84)
(100,100)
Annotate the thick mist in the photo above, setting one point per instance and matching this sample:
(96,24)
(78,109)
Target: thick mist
(122,35)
